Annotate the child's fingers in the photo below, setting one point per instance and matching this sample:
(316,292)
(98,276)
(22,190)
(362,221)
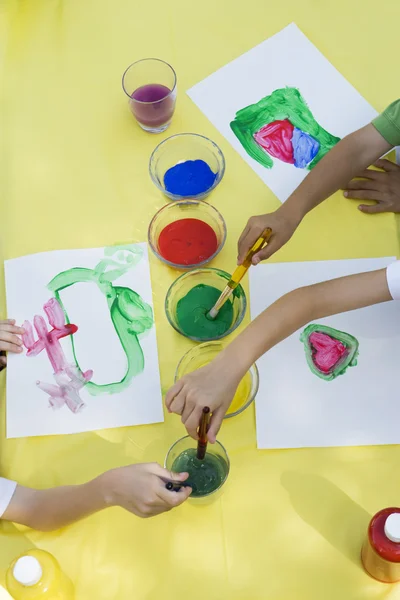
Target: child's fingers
(267,251)
(192,422)
(386,165)
(6,336)
(172,392)
(11,328)
(178,404)
(373,209)
(365,195)
(216,422)
(10,347)
(3,361)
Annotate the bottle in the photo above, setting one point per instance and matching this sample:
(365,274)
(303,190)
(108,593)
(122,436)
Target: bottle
(36,575)
(380,553)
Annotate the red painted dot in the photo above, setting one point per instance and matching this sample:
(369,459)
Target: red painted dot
(187,242)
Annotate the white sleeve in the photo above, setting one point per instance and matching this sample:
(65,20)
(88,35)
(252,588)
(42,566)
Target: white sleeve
(393,279)
(7,489)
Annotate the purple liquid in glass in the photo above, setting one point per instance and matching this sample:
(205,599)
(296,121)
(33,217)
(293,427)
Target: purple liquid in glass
(160,107)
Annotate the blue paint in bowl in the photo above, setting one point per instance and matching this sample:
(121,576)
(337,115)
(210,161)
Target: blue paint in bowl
(189,178)
(187,166)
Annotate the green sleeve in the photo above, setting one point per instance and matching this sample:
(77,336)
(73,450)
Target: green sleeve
(388,123)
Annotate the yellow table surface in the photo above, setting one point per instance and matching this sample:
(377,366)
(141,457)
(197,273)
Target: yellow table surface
(73,173)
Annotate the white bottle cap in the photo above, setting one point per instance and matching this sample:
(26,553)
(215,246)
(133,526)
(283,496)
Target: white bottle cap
(27,571)
(392,527)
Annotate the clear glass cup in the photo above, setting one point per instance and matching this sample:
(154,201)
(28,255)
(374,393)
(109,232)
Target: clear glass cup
(150,85)
(186,209)
(202,355)
(206,477)
(205,276)
(180,148)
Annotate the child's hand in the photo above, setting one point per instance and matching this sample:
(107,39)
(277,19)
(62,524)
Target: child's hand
(384,188)
(141,490)
(214,386)
(9,340)
(283,227)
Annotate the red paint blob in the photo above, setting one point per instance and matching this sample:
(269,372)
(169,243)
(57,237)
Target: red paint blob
(187,242)
(276,139)
(381,544)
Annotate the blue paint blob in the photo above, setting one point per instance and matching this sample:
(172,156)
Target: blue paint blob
(189,178)
(305,148)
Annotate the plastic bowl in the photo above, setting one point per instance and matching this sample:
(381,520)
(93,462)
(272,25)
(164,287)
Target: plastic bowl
(212,277)
(180,148)
(186,209)
(201,355)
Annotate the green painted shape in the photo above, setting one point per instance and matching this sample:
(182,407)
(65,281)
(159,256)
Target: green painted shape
(205,476)
(348,360)
(284,103)
(129,314)
(191,311)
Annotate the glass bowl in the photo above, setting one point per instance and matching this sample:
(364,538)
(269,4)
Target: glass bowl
(219,457)
(210,277)
(186,209)
(180,148)
(201,355)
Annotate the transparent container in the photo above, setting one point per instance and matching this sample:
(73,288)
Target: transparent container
(219,457)
(36,575)
(186,209)
(202,355)
(206,276)
(150,85)
(180,148)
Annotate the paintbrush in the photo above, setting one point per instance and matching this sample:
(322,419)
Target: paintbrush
(203,428)
(240,272)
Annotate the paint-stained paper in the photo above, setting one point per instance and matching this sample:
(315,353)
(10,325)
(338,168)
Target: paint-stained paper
(90,352)
(294,407)
(282,106)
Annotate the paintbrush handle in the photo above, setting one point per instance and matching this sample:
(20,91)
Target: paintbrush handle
(242,269)
(203,428)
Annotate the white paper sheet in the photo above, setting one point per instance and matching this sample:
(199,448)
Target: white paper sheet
(294,407)
(97,345)
(286,59)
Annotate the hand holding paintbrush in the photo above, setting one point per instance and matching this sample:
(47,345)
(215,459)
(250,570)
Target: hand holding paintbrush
(240,272)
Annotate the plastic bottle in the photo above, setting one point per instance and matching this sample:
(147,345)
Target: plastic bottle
(36,575)
(380,553)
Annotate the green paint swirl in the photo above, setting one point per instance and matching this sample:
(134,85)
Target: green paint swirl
(284,103)
(191,311)
(205,476)
(130,315)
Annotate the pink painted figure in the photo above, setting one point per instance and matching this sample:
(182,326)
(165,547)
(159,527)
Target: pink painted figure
(69,378)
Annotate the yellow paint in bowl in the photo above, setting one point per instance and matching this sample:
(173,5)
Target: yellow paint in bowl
(201,355)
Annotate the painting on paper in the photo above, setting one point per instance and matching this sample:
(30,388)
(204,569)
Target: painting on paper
(335,381)
(90,359)
(282,106)
(282,126)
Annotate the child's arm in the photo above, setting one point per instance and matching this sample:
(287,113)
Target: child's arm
(137,488)
(350,157)
(215,384)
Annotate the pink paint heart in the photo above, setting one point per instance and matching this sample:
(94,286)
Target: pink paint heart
(326,351)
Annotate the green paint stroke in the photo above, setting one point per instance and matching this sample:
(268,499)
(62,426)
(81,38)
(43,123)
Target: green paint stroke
(191,311)
(205,476)
(285,103)
(130,315)
(331,353)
